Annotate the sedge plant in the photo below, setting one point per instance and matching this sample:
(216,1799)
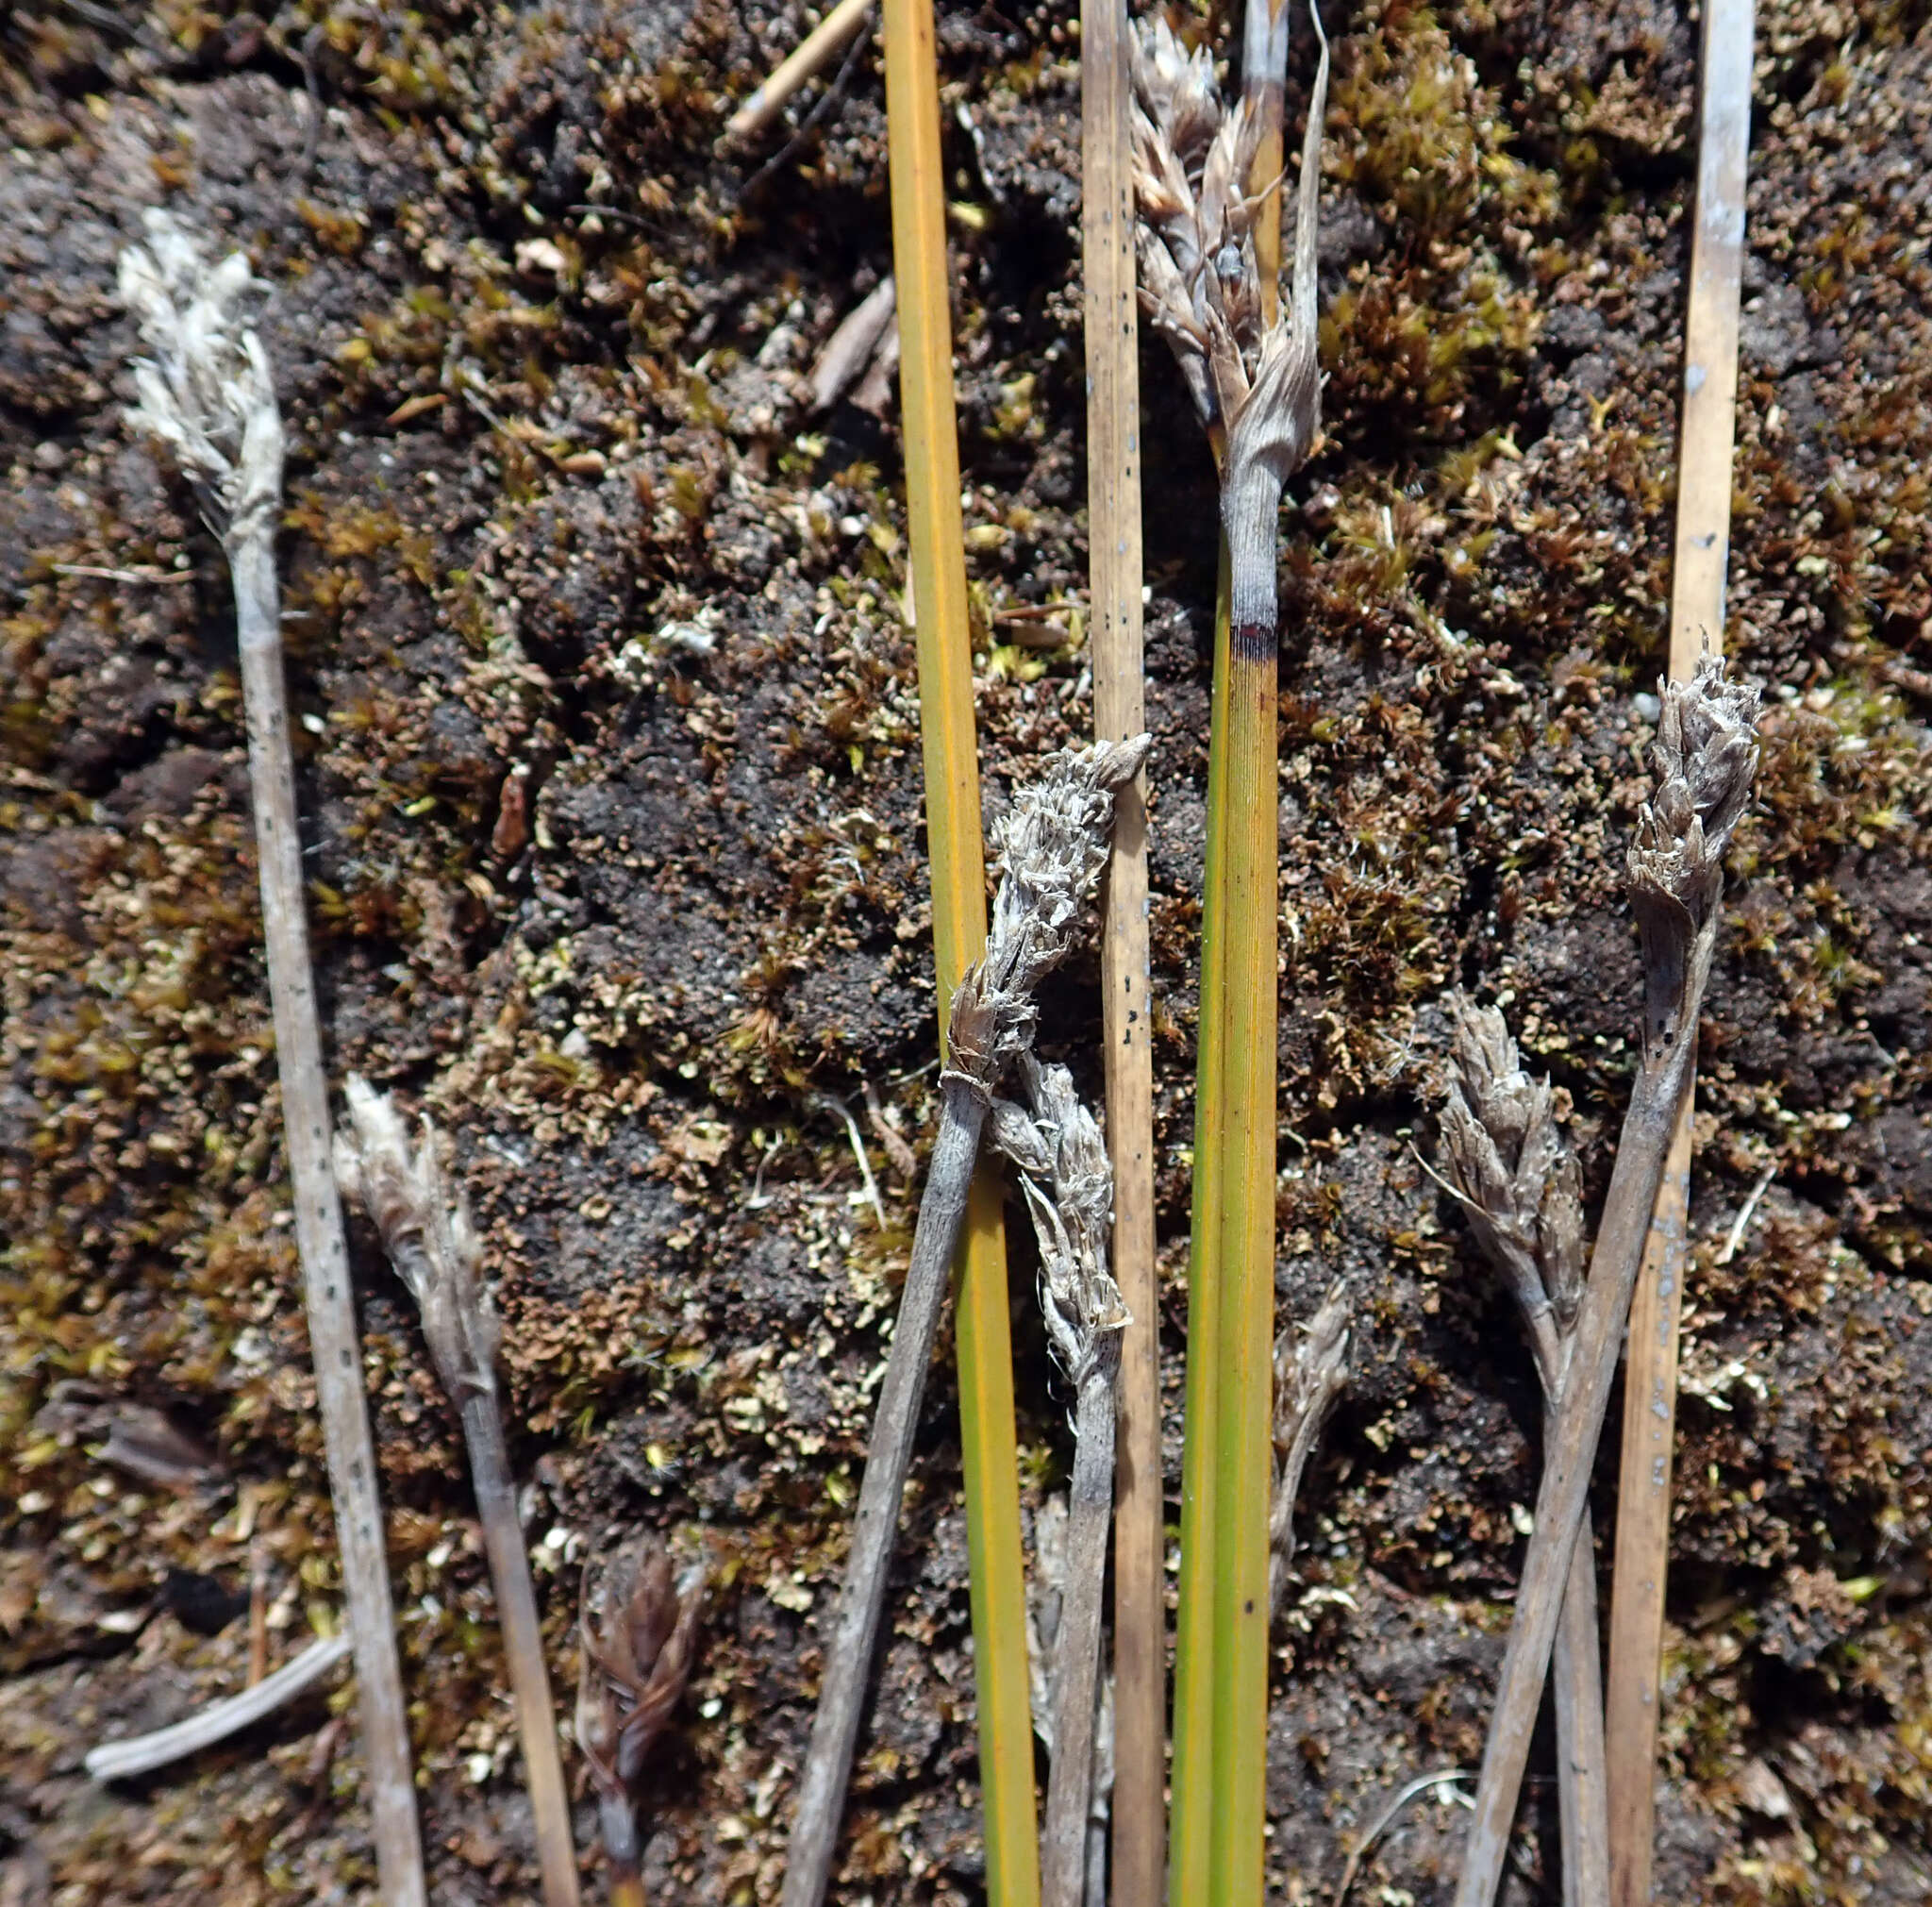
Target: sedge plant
(1705,762)
(1052,848)
(427,1232)
(1522,1188)
(1056,1145)
(1208,245)
(207,395)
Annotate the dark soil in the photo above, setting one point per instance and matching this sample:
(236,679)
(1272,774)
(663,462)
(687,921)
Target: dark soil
(611,769)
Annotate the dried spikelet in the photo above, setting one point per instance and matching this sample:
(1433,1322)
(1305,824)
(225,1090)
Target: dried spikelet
(1310,1373)
(1520,1182)
(1704,761)
(1051,847)
(1256,388)
(427,1233)
(639,1637)
(206,391)
(1056,1144)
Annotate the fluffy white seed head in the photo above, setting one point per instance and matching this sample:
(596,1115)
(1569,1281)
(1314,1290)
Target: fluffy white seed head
(206,391)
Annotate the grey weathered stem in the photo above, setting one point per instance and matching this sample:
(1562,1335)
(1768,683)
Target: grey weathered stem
(856,1626)
(1704,761)
(319,1234)
(1063,1848)
(1571,1447)
(1576,1672)
(142,1754)
(522,1647)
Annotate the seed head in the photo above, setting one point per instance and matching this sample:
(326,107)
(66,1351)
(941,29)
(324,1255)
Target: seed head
(427,1232)
(206,392)
(639,1637)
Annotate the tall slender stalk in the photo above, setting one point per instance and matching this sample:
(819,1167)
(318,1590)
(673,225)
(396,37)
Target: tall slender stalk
(1704,761)
(208,395)
(427,1232)
(1698,620)
(1255,382)
(982,1330)
(1114,541)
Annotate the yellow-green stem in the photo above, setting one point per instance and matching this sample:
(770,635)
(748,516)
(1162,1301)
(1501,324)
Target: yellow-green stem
(938,563)
(983,1332)
(1192,1827)
(1245,1318)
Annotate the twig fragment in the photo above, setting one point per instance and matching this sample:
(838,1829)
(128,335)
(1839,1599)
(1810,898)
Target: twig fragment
(427,1232)
(861,335)
(1705,762)
(639,1637)
(142,1754)
(1055,1143)
(206,393)
(1051,846)
(809,58)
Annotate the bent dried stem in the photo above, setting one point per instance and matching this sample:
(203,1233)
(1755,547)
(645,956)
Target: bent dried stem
(206,393)
(426,1229)
(639,1637)
(1055,1143)
(1705,762)
(142,1754)
(1310,1373)
(1522,1190)
(1051,846)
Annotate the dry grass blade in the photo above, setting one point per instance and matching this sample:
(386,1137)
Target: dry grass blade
(1697,597)
(426,1229)
(206,393)
(1114,562)
(1522,1191)
(123,1761)
(639,1637)
(1705,762)
(809,58)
